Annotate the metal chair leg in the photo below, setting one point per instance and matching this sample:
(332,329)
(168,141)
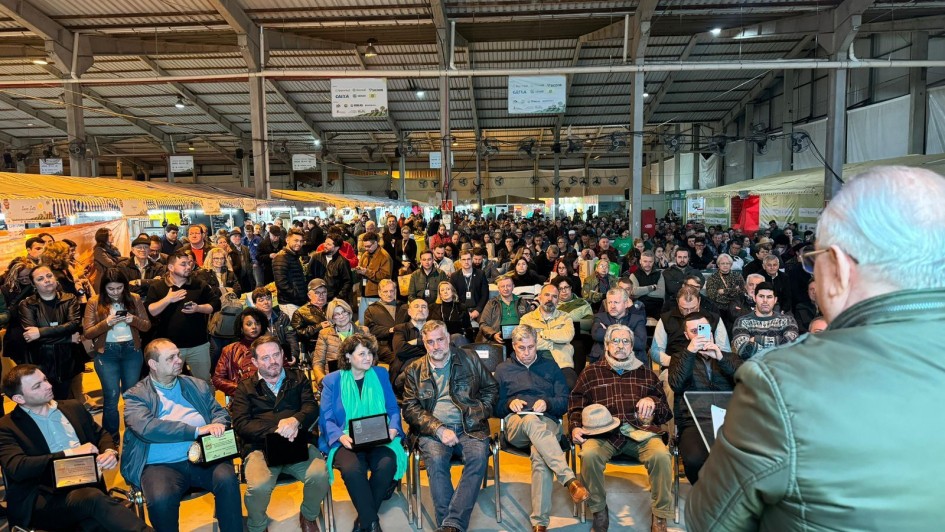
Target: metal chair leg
(408,492)
(676,485)
(418,502)
(498,483)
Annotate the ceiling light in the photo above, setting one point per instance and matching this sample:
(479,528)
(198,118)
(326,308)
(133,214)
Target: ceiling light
(30,124)
(421,94)
(318,142)
(646,95)
(370,51)
(190,146)
(455,143)
(180,103)
(716,32)
(40,61)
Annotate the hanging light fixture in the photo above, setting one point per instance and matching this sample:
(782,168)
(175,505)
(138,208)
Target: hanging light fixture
(190,146)
(180,103)
(370,51)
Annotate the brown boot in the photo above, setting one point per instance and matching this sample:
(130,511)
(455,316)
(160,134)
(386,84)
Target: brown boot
(307,526)
(658,524)
(578,492)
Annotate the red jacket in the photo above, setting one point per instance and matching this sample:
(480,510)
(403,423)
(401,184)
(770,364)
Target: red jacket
(235,364)
(347,251)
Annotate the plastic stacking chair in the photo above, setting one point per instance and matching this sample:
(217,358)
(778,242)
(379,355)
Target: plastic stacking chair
(501,443)
(489,354)
(415,465)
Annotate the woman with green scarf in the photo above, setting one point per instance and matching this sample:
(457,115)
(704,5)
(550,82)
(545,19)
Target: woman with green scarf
(359,389)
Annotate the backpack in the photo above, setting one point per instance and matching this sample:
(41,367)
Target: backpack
(223,323)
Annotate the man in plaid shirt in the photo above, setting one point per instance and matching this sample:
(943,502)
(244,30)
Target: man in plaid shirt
(632,393)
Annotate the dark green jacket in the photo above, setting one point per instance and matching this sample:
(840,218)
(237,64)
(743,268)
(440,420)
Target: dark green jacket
(838,431)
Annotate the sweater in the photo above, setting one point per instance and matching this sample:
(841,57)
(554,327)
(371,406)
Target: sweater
(768,333)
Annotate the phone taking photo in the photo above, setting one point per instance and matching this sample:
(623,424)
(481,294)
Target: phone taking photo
(189,305)
(121,313)
(704,330)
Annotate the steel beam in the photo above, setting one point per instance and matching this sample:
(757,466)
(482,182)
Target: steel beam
(247,32)
(918,92)
(763,84)
(836,132)
(787,121)
(655,101)
(60,42)
(636,154)
(297,110)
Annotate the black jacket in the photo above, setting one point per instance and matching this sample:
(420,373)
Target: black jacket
(153,272)
(289,275)
(673,279)
(472,388)
(168,247)
(266,248)
(307,322)
(53,351)
(26,459)
(404,353)
(478,287)
(691,372)
(337,274)
(635,318)
(256,411)
(379,321)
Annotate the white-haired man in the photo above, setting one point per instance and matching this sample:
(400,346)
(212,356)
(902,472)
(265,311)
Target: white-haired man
(800,448)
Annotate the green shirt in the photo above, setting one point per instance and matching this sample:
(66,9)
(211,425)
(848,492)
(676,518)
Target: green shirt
(509,312)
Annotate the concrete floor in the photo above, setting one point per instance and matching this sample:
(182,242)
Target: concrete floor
(627,498)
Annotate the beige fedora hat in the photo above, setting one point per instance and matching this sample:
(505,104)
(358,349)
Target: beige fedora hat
(596,419)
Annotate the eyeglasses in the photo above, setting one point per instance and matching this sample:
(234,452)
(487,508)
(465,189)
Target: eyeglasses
(621,341)
(808,256)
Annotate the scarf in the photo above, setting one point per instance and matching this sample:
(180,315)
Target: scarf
(368,401)
(620,366)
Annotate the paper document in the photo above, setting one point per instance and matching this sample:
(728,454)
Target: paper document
(529,413)
(718,418)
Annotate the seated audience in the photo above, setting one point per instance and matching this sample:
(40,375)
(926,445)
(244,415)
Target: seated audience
(328,346)
(381,316)
(619,308)
(531,383)
(450,311)
(634,398)
(236,361)
(501,313)
(40,430)
(310,319)
(407,342)
(164,414)
(596,285)
(360,389)
(701,366)
(576,307)
(763,329)
(280,401)
(555,331)
(449,397)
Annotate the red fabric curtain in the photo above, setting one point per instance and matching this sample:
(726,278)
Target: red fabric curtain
(749,214)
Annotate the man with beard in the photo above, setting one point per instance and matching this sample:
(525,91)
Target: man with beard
(328,264)
(633,395)
(555,331)
(763,330)
(745,303)
(277,400)
(619,308)
(675,276)
(381,316)
(406,342)
(646,281)
(289,275)
(424,282)
(449,397)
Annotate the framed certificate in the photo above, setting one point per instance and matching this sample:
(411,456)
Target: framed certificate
(211,448)
(75,471)
(368,431)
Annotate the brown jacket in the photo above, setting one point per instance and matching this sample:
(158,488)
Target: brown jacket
(378,267)
(95,327)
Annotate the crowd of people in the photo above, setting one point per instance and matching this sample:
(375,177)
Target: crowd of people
(307,326)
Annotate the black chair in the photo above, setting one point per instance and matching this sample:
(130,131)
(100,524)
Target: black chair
(501,443)
(415,465)
(490,355)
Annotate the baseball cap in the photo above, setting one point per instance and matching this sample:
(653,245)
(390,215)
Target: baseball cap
(315,284)
(141,241)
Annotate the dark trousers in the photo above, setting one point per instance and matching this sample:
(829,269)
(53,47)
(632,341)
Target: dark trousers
(692,451)
(85,509)
(570,377)
(164,486)
(367,494)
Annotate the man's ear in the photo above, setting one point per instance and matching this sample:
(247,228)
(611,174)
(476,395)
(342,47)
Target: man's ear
(18,399)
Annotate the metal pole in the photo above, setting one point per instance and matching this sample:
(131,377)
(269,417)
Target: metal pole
(636,155)
(836,132)
(479,173)
(403,173)
(445,183)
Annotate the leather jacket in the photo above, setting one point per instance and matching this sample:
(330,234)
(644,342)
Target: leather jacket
(472,388)
(53,351)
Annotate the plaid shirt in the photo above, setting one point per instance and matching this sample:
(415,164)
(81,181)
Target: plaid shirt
(600,384)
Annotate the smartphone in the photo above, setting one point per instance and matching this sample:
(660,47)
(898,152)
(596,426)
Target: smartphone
(121,313)
(704,330)
(189,305)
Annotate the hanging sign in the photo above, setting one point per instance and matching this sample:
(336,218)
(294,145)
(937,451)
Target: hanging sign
(133,207)
(436,159)
(537,94)
(358,97)
(51,166)
(248,205)
(31,210)
(210,207)
(302,162)
(181,163)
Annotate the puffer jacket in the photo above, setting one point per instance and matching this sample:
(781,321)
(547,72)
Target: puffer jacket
(53,351)
(289,276)
(833,432)
(307,322)
(235,364)
(472,389)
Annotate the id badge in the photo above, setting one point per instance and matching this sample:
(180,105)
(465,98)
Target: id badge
(426,293)
(468,294)
(404,258)
(364,281)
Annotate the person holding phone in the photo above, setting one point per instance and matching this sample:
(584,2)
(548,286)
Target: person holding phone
(701,367)
(114,320)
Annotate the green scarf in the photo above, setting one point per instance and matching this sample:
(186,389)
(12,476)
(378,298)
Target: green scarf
(368,402)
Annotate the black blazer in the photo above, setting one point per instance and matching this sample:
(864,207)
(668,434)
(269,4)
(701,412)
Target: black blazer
(25,456)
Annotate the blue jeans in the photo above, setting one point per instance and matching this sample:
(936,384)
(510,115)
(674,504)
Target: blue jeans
(165,484)
(454,508)
(118,368)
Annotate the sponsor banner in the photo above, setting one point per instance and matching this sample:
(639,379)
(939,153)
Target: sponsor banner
(133,207)
(51,166)
(28,210)
(302,162)
(181,163)
(358,97)
(537,94)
